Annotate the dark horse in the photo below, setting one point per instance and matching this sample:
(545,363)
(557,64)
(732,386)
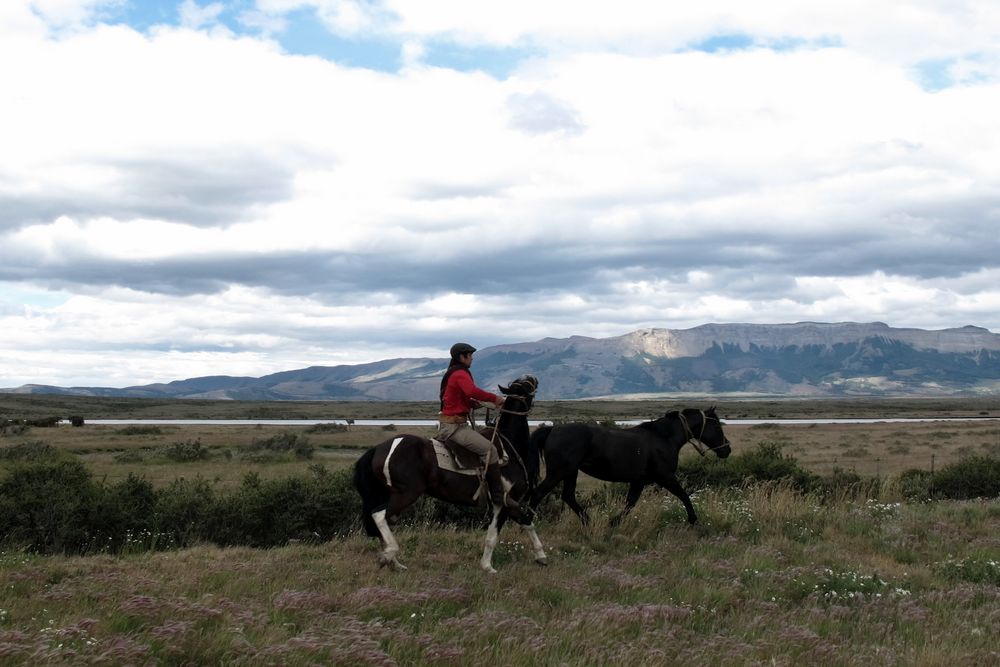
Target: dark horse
(392,475)
(640,455)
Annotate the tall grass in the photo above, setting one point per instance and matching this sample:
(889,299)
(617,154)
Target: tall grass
(771,575)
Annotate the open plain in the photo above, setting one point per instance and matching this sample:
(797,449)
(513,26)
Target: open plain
(769,575)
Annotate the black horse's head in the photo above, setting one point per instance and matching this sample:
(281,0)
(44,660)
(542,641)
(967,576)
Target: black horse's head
(705,429)
(522,389)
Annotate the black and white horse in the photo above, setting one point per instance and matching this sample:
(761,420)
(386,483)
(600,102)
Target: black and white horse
(392,475)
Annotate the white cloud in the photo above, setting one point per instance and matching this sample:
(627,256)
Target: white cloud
(206,203)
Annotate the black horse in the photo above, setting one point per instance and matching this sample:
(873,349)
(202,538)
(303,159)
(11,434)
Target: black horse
(392,475)
(640,455)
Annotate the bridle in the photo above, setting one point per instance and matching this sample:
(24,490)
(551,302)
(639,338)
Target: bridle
(699,445)
(505,443)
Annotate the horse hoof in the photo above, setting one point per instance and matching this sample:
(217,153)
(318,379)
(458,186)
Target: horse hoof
(542,561)
(399,567)
(489,569)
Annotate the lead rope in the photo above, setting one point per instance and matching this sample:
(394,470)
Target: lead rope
(698,445)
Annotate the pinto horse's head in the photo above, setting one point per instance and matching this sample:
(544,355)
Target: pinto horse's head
(523,388)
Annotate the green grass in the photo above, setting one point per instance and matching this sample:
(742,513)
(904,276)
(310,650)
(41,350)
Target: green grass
(875,581)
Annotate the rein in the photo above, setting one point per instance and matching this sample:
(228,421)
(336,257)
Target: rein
(505,443)
(696,441)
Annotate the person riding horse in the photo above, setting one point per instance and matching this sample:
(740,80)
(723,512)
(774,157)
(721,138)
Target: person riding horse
(459,395)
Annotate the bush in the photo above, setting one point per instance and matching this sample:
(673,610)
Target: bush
(55,507)
(189,450)
(29,451)
(139,430)
(285,442)
(764,464)
(186,512)
(328,428)
(915,484)
(46,507)
(45,422)
(973,477)
(270,513)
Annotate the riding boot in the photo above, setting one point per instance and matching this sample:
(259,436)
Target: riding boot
(497,493)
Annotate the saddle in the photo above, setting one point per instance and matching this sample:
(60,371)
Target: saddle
(456,458)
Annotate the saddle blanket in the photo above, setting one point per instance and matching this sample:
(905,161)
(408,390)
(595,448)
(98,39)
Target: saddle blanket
(446,460)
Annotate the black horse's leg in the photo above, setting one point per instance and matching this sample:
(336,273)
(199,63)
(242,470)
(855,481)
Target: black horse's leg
(671,484)
(569,497)
(542,490)
(634,491)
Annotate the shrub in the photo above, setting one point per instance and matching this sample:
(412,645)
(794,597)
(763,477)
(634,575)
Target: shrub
(972,477)
(915,484)
(44,422)
(123,516)
(45,507)
(766,462)
(270,513)
(295,443)
(29,451)
(185,511)
(328,428)
(189,450)
(139,430)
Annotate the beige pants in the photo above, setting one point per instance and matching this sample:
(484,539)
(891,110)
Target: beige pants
(466,436)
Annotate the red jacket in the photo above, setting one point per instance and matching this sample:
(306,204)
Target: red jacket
(461,392)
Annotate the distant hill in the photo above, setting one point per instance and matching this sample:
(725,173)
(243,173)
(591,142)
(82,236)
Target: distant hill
(802,359)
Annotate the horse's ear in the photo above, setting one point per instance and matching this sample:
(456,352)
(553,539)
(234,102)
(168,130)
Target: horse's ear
(504,390)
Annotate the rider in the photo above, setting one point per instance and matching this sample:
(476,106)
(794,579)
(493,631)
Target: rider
(459,395)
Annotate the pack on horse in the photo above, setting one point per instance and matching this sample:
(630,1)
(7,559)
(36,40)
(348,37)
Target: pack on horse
(640,455)
(392,475)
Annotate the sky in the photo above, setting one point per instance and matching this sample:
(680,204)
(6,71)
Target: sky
(192,188)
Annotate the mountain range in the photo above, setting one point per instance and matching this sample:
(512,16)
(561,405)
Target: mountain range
(754,360)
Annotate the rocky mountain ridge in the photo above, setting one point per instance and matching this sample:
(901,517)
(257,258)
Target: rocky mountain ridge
(801,359)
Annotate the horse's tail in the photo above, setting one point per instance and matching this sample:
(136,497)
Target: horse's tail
(537,448)
(374,494)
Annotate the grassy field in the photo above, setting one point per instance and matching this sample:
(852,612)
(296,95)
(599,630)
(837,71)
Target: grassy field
(114,452)
(769,576)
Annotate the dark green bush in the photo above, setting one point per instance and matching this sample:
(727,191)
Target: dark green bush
(46,507)
(765,463)
(139,430)
(55,507)
(328,428)
(272,512)
(973,477)
(916,484)
(186,512)
(295,443)
(186,451)
(44,422)
(29,451)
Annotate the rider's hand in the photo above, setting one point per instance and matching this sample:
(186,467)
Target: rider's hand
(500,400)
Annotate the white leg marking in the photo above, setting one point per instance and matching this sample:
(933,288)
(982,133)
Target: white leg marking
(391,547)
(536,544)
(486,562)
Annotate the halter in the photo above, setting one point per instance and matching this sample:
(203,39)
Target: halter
(505,443)
(697,442)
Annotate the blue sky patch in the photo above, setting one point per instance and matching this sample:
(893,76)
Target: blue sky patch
(307,36)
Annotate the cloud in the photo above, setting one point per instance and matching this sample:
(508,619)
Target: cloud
(200,193)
